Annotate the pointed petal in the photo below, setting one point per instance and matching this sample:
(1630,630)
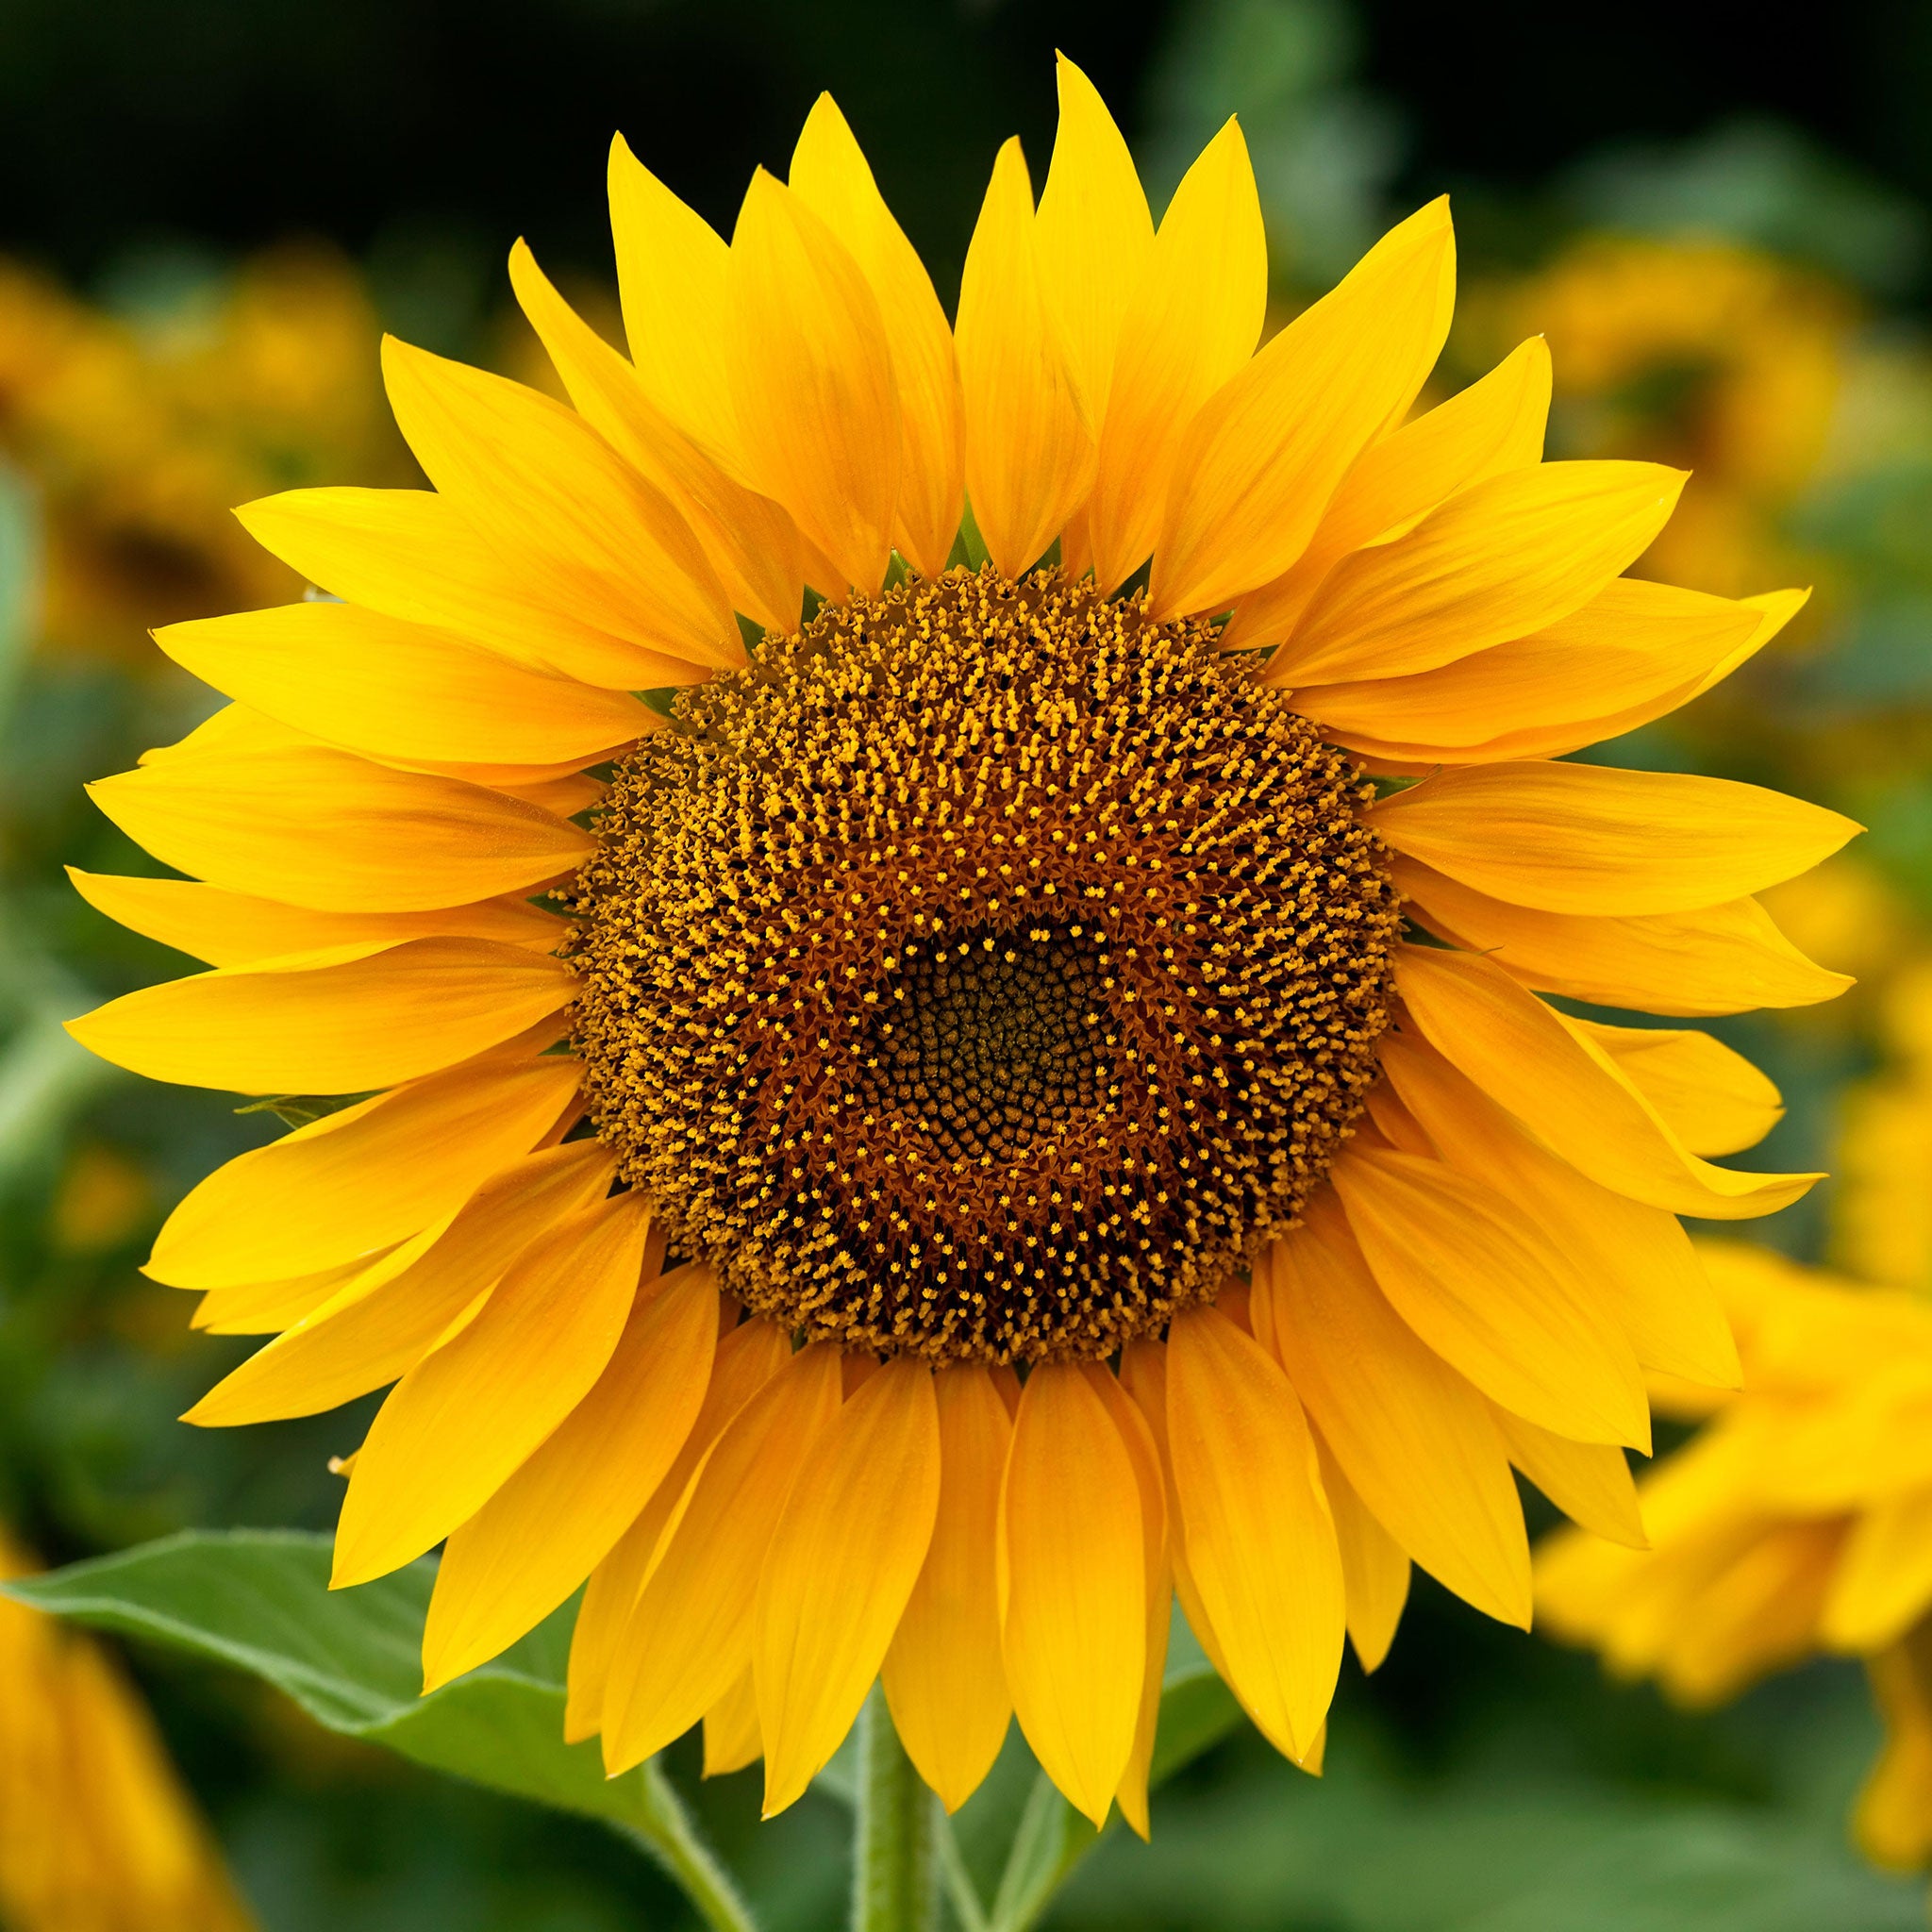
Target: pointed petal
(1636,1258)
(751,541)
(1589,1481)
(1260,1539)
(840,1569)
(1714,1099)
(748,1356)
(831,175)
(1259,462)
(1726,959)
(1029,440)
(384,1320)
(462,1419)
(332,831)
(1072,1566)
(1375,1567)
(344,1021)
(944,1679)
(812,382)
(1094,234)
(358,1181)
(732,1738)
(553,1520)
(1494,426)
(1487,1292)
(395,689)
(691,1631)
(1586,838)
(1566,1090)
(1192,322)
(1413,1438)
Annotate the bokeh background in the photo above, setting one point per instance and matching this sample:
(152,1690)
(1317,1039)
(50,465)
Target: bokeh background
(210,209)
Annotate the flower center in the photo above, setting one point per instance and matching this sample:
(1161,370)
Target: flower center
(985,971)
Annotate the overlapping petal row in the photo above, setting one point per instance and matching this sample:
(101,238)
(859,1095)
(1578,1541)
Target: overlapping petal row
(365,833)
(1800,1520)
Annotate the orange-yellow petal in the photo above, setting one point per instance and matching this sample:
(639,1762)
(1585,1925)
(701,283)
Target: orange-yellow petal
(1883,1581)
(831,175)
(841,1568)
(945,1680)
(1589,839)
(462,1419)
(1259,1537)
(732,1738)
(692,1630)
(813,381)
(1589,1481)
(331,831)
(342,1020)
(1030,439)
(550,1525)
(1262,458)
(1375,1567)
(1712,1098)
(1072,1568)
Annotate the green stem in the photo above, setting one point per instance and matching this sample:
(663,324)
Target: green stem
(895,1884)
(666,1832)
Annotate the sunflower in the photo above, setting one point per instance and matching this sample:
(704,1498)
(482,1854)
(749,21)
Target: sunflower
(96,1831)
(1799,1521)
(1016,1106)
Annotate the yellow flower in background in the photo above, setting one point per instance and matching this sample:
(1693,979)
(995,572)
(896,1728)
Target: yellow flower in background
(1706,352)
(991,978)
(1884,1223)
(1799,1520)
(96,1833)
(142,435)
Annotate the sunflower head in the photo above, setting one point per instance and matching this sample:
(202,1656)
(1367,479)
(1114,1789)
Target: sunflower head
(1025,1092)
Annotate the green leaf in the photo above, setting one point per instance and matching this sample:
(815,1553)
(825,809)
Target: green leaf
(260,1600)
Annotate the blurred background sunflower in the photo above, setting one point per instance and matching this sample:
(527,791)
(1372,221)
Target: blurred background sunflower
(208,209)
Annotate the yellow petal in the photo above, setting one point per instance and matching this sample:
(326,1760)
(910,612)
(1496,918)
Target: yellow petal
(1884,1579)
(1589,1481)
(1504,558)
(1714,1099)
(1413,1438)
(945,1680)
(748,1356)
(1193,317)
(234,929)
(1262,458)
(1494,426)
(344,1021)
(1073,1583)
(1475,1278)
(812,382)
(537,483)
(352,1183)
(381,1322)
(550,1525)
(1260,1539)
(842,1565)
(1635,649)
(1585,839)
(1151,1480)
(674,280)
(457,1425)
(266,1307)
(1637,1259)
(396,689)
(1375,1568)
(831,175)
(732,1738)
(751,541)
(692,1630)
(1893,1819)
(411,554)
(1029,440)
(1724,958)
(332,831)
(1093,234)
(1566,1090)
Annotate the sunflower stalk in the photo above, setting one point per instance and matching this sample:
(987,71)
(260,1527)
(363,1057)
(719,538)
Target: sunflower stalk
(665,1831)
(895,1866)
